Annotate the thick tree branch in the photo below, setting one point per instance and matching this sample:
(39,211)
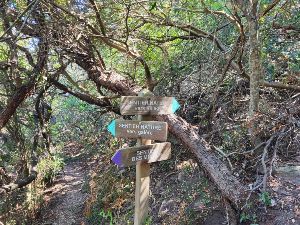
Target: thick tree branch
(19,183)
(24,91)
(269,8)
(87,98)
(98,16)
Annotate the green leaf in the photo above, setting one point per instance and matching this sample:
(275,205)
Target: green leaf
(152,6)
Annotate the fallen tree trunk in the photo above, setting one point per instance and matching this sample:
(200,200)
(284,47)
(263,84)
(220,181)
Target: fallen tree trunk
(230,187)
(216,169)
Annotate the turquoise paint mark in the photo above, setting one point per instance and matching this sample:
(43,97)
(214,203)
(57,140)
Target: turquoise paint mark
(112,128)
(175,105)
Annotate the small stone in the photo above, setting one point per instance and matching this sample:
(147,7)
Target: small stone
(158,185)
(198,206)
(273,202)
(291,170)
(121,171)
(168,207)
(180,176)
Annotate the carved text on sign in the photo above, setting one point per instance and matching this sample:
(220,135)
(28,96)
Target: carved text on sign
(131,105)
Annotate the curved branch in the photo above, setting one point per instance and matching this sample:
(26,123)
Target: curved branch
(24,91)
(280,85)
(19,183)
(193,31)
(87,98)
(269,8)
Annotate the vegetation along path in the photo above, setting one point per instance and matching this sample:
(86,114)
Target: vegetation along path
(64,201)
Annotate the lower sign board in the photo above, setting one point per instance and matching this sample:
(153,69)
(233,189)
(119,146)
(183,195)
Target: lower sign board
(153,130)
(148,153)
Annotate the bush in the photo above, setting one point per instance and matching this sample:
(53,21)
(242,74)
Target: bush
(49,167)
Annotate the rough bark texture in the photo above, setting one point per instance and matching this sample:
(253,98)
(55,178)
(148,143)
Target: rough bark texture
(24,91)
(254,69)
(14,102)
(107,79)
(87,98)
(19,183)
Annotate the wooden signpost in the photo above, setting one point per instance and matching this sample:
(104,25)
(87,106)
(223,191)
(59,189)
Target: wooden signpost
(144,130)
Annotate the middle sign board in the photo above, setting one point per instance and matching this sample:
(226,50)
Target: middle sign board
(153,130)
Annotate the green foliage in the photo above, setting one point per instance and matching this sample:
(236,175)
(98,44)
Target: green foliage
(265,198)
(148,221)
(101,217)
(49,167)
(244,217)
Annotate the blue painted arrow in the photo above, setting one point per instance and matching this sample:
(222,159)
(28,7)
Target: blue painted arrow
(112,127)
(117,158)
(175,105)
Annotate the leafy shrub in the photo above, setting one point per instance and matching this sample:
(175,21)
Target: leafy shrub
(49,167)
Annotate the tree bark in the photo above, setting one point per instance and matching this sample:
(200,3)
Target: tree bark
(255,69)
(24,91)
(15,101)
(87,98)
(20,183)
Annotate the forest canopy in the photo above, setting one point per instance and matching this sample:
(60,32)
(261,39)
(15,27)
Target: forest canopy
(234,66)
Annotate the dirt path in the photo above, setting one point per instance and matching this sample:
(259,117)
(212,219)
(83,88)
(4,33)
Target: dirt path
(64,201)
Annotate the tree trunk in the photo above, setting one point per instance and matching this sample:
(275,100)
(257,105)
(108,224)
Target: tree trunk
(254,69)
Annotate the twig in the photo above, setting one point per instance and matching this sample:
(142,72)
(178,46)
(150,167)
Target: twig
(263,162)
(225,155)
(18,18)
(249,151)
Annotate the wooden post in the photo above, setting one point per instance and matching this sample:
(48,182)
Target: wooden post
(145,105)
(142,185)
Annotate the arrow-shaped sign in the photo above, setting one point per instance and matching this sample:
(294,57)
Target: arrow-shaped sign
(153,130)
(152,105)
(148,153)
(112,128)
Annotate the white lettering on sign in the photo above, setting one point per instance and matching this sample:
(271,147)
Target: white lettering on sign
(131,131)
(143,132)
(145,103)
(141,155)
(140,126)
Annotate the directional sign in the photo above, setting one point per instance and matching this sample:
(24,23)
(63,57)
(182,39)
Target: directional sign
(153,130)
(148,153)
(131,105)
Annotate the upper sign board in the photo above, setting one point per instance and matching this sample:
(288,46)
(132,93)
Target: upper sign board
(153,130)
(135,105)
